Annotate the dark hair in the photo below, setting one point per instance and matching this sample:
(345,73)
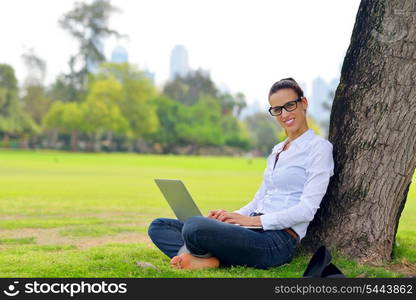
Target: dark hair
(286,83)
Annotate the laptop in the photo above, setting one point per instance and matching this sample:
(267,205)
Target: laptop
(181,201)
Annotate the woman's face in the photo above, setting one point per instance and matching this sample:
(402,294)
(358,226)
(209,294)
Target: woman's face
(293,121)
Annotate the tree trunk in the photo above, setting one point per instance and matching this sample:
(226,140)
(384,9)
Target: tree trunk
(373,131)
(6,141)
(74,140)
(34,142)
(91,142)
(108,143)
(54,139)
(24,141)
(97,142)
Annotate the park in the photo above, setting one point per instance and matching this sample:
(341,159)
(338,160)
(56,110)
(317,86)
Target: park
(86,215)
(79,152)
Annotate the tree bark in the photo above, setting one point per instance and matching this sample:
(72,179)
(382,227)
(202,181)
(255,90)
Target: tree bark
(373,131)
(74,140)
(6,140)
(24,141)
(91,142)
(109,147)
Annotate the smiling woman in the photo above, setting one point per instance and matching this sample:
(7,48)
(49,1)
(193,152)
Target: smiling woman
(286,202)
(286,112)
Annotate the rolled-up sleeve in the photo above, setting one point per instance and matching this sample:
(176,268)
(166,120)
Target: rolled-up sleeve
(252,205)
(320,169)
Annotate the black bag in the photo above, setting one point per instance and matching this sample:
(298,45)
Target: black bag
(320,266)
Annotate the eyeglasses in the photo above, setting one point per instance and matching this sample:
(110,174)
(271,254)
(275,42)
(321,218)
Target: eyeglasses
(289,106)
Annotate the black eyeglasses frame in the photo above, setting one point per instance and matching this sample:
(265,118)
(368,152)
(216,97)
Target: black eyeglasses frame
(283,107)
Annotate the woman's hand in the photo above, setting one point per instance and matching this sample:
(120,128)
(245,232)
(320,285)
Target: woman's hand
(215,214)
(235,218)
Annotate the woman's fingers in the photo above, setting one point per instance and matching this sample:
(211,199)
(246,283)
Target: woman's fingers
(214,214)
(211,214)
(218,213)
(232,218)
(225,216)
(222,215)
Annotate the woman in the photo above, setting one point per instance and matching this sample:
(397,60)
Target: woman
(295,180)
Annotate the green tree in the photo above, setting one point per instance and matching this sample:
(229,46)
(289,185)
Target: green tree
(13,119)
(169,113)
(190,88)
(198,125)
(101,110)
(35,101)
(66,118)
(64,89)
(264,132)
(98,114)
(201,124)
(193,90)
(135,102)
(235,133)
(196,84)
(88,24)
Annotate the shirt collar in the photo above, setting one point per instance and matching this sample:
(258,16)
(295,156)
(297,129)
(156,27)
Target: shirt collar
(307,135)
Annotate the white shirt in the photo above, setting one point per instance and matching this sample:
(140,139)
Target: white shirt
(290,195)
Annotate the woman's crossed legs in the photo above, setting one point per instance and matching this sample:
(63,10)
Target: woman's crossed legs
(212,243)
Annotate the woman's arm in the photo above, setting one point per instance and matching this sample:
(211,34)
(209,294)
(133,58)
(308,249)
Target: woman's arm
(318,174)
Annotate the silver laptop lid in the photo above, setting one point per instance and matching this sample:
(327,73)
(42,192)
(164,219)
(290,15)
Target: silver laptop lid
(178,198)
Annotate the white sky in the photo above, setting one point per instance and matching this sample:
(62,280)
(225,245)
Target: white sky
(247,45)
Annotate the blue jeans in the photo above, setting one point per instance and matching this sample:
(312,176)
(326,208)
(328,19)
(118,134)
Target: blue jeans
(231,244)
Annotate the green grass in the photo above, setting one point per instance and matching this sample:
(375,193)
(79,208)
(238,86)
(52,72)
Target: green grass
(19,241)
(53,205)
(82,231)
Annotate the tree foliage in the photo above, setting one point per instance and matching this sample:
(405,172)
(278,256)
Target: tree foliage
(35,101)
(13,119)
(201,124)
(88,24)
(101,111)
(64,117)
(264,131)
(189,89)
(135,97)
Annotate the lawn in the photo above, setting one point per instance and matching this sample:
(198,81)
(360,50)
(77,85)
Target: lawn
(86,215)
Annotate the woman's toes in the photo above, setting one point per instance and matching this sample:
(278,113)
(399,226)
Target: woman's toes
(188,261)
(175,262)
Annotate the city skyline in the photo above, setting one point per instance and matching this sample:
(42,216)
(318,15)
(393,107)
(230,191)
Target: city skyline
(235,45)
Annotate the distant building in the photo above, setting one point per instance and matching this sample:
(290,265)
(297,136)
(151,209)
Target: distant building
(178,62)
(119,55)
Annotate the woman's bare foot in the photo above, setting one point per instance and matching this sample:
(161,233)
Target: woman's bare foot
(174,262)
(190,262)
